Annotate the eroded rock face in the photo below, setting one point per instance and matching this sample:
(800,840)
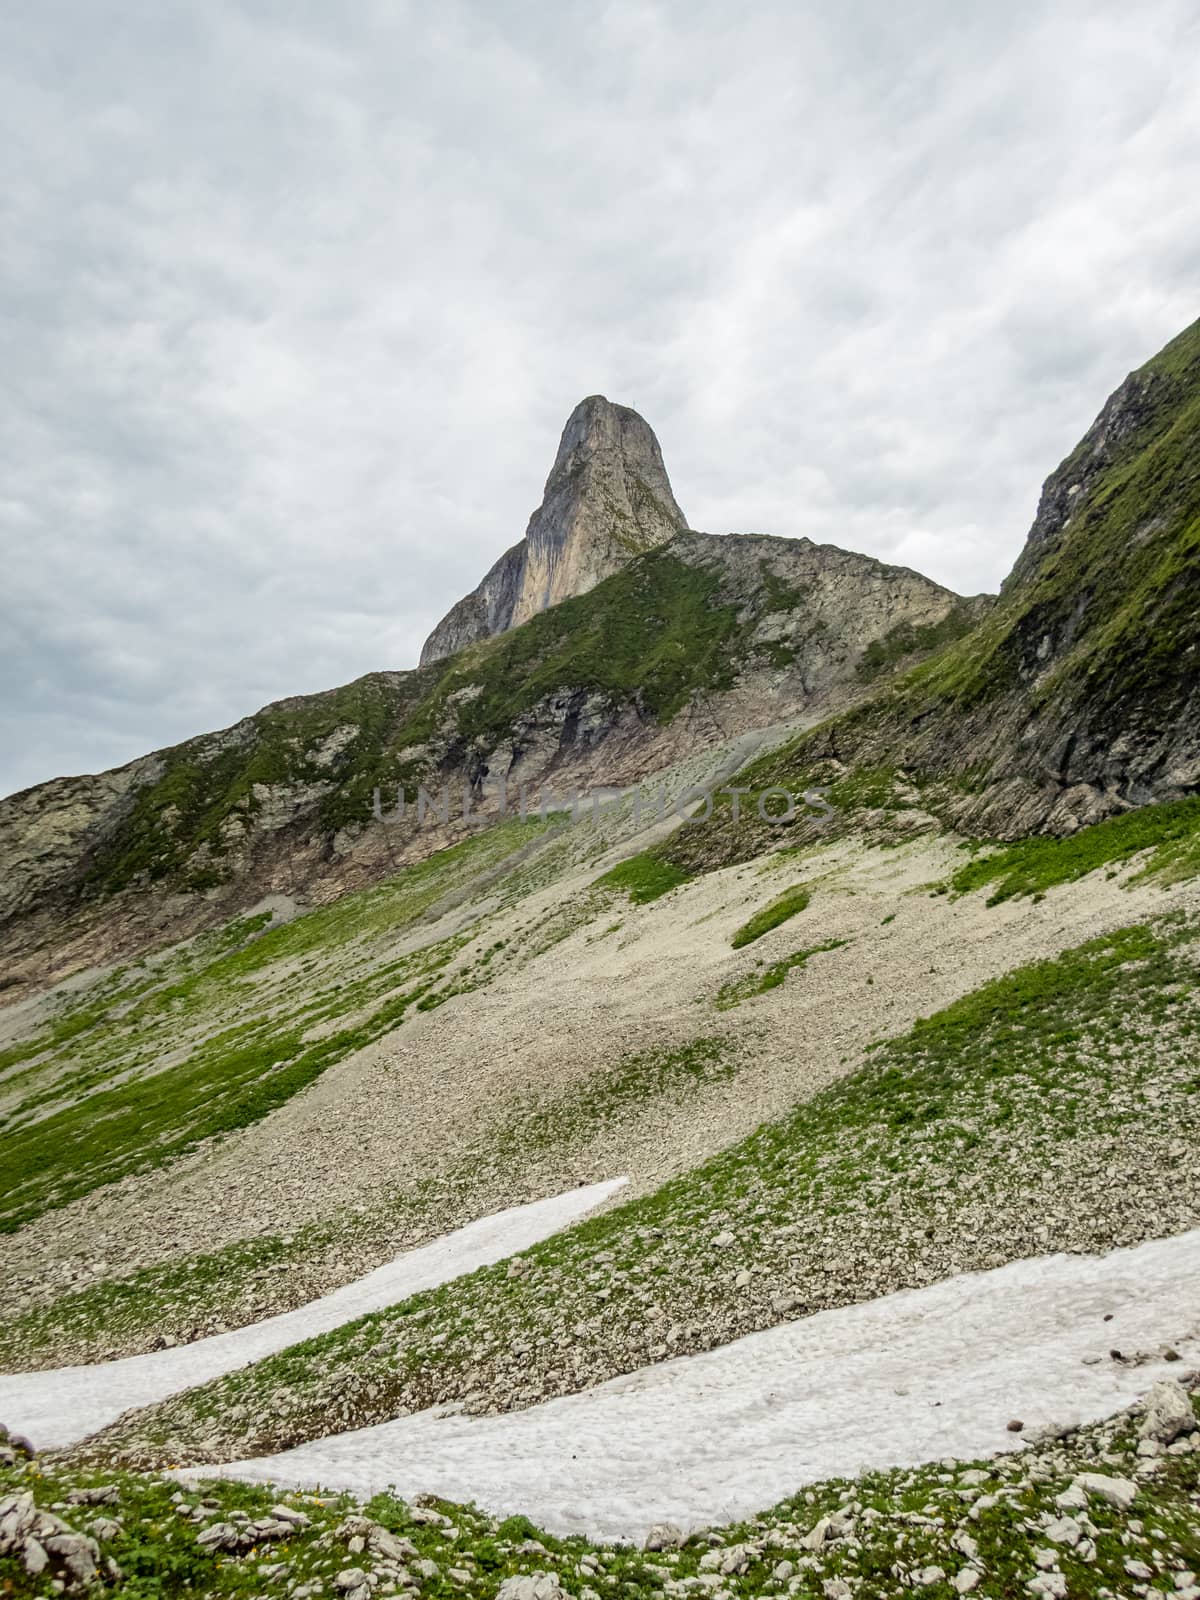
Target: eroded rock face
(46,829)
(607,499)
(1066,490)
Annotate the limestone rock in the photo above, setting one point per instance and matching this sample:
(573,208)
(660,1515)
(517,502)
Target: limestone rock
(530,1586)
(1168,1413)
(1119,1493)
(43,1542)
(607,499)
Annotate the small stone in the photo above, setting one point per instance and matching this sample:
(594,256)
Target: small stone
(1168,1413)
(1117,1492)
(530,1586)
(103,1495)
(1072,1499)
(283,1513)
(1052,1585)
(390,1546)
(1065,1530)
(75,1556)
(35,1558)
(735,1560)
(219,1536)
(816,1536)
(1015,1426)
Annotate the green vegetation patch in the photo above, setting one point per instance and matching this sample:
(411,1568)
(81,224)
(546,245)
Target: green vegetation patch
(644,877)
(739,989)
(909,639)
(653,634)
(232,1080)
(788,904)
(1169,833)
(155,1059)
(621,1093)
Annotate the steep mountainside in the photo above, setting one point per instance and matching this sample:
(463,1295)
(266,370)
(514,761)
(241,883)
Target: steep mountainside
(1078,695)
(607,499)
(686,645)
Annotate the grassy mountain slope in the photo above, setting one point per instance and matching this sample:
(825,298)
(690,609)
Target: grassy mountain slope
(158,1057)
(153,1118)
(861,1055)
(1053,1108)
(1079,693)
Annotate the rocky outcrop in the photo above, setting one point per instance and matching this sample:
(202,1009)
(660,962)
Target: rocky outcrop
(48,830)
(1078,696)
(1126,413)
(607,499)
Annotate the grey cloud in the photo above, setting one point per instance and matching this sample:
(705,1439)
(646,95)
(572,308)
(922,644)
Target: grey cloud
(297,299)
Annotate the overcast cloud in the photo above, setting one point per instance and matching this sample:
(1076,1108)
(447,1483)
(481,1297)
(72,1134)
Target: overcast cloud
(297,297)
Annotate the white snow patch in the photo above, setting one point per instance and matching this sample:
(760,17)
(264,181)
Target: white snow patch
(57,1408)
(712,1438)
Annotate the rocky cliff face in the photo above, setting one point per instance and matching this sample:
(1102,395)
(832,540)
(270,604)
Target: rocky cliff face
(1128,411)
(607,499)
(1078,695)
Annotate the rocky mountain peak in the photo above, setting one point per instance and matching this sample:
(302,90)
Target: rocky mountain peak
(607,499)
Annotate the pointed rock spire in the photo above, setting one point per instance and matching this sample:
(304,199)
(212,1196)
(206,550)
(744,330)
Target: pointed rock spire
(607,499)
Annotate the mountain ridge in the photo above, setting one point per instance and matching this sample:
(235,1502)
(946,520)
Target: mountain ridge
(685,643)
(1077,695)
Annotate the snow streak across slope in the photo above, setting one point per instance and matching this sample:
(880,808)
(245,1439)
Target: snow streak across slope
(57,1408)
(709,1439)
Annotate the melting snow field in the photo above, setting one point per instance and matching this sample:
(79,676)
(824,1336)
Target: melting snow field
(708,1439)
(59,1407)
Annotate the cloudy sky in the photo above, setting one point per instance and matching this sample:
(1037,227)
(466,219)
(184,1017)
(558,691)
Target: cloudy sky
(297,297)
